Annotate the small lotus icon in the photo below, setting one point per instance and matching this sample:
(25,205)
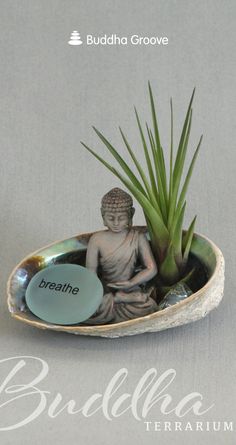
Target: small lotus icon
(75,38)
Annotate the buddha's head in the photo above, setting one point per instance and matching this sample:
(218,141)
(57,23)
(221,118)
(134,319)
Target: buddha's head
(117,210)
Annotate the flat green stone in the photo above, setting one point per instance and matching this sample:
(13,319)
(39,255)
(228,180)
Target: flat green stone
(64,294)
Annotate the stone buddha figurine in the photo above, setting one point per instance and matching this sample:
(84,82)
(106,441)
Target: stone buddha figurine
(122,258)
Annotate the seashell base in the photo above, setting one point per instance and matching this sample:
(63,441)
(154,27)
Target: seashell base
(73,250)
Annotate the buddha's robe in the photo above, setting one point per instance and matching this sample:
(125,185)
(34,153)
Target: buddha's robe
(120,266)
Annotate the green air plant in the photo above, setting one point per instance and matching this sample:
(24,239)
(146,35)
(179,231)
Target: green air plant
(161,194)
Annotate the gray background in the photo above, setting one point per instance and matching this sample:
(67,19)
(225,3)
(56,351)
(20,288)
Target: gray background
(51,94)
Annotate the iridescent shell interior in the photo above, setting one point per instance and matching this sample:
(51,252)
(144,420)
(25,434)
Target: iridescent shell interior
(72,250)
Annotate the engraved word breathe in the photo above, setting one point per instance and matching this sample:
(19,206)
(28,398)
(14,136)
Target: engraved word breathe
(58,287)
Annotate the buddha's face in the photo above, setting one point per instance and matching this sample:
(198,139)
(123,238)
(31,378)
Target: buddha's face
(117,221)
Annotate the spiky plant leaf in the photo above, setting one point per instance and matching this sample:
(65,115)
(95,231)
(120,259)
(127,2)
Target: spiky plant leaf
(146,152)
(112,169)
(168,269)
(183,136)
(149,189)
(177,236)
(162,201)
(188,176)
(178,170)
(116,155)
(187,241)
(159,150)
(171,150)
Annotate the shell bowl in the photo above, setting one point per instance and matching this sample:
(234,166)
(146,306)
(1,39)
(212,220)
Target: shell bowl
(73,250)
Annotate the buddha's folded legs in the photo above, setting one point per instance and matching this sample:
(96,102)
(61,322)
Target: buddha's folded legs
(142,304)
(105,312)
(123,306)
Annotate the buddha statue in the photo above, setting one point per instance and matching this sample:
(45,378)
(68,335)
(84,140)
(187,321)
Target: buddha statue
(122,258)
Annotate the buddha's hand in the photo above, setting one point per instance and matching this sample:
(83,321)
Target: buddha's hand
(121,285)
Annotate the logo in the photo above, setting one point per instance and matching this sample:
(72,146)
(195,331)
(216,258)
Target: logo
(118,40)
(75,38)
